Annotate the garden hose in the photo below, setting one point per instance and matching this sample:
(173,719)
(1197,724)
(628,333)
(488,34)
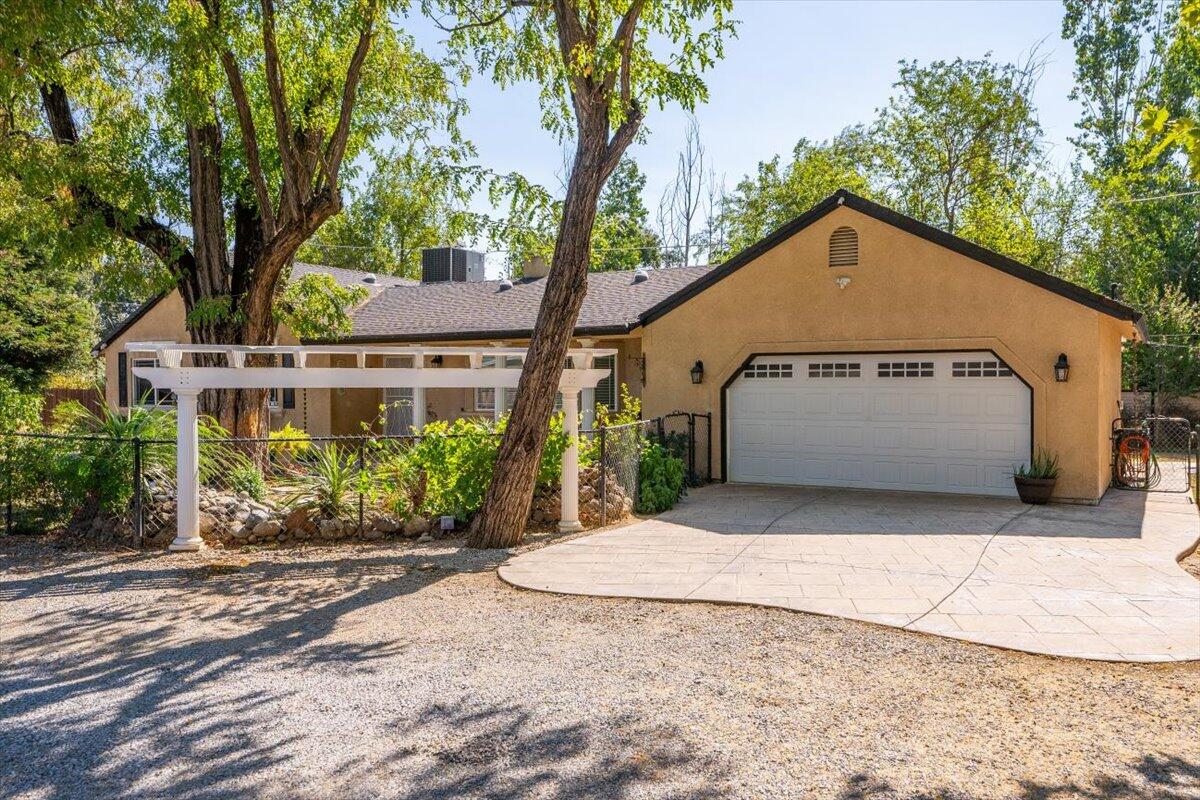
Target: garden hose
(1136,466)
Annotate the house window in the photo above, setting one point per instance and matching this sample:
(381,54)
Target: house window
(835,369)
(485,396)
(768,371)
(980,369)
(144,394)
(606,389)
(843,248)
(905,369)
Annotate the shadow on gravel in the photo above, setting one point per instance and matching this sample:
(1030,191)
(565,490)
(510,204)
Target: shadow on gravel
(1161,778)
(509,751)
(169,728)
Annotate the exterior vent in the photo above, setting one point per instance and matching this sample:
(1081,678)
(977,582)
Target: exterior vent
(640,275)
(505,285)
(843,248)
(451,264)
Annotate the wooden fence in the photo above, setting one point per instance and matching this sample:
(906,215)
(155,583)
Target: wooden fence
(89,397)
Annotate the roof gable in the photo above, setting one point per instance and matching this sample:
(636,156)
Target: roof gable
(894,218)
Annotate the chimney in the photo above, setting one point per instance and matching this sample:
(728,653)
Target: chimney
(451,264)
(535,267)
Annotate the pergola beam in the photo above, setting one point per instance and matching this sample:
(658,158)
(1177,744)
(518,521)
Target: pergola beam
(188,381)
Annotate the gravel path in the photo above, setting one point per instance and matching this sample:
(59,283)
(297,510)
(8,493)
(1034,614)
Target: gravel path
(413,672)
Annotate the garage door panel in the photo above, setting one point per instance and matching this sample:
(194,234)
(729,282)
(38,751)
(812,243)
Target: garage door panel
(881,426)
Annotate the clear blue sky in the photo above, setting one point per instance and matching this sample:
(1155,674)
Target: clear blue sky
(797,69)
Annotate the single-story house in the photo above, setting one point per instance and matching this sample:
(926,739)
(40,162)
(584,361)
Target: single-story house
(854,346)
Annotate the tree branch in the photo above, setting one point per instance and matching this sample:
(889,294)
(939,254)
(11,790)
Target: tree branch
(289,201)
(337,143)
(241,102)
(169,247)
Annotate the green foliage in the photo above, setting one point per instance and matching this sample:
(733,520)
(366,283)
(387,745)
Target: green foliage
(416,197)
(1044,465)
(46,323)
(456,460)
(958,142)
(778,192)
(317,306)
(100,467)
(246,477)
(289,442)
(621,237)
(1173,366)
(521,43)
(660,479)
(19,410)
(1176,124)
(329,486)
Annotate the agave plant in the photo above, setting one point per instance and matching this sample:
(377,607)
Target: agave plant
(331,485)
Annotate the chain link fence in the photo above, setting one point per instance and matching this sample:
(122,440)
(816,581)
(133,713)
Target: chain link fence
(124,490)
(1154,453)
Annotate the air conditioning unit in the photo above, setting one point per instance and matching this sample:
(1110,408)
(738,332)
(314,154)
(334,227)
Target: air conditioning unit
(451,264)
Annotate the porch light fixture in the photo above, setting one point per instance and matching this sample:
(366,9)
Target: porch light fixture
(436,361)
(1061,368)
(698,372)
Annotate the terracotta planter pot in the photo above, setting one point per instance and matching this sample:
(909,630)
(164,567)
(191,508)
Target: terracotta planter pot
(1035,491)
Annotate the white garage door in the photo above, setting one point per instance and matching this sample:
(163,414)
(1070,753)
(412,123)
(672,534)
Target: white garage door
(933,422)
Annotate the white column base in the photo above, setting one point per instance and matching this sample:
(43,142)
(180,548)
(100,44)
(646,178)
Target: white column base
(570,526)
(186,545)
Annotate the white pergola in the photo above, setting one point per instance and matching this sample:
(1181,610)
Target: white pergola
(188,381)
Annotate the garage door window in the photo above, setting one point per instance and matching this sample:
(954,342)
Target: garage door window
(980,369)
(768,371)
(905,369)
(835,369)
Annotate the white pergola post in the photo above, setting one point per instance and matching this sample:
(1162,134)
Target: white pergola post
(569,513)
(187,472)
(418,397)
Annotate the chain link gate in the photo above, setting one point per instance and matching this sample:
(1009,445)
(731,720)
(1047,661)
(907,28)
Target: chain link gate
(688,437)
(1154,453)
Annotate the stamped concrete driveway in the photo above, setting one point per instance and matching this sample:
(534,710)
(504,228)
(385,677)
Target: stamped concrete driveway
(1097,582)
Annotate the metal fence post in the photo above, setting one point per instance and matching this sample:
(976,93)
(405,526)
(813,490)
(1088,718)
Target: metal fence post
(603,478)
(662,431)
(8,493)
(362,463)
(138,530)
(692,448)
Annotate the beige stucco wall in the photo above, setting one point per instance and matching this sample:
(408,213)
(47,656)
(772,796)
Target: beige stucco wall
(905,294)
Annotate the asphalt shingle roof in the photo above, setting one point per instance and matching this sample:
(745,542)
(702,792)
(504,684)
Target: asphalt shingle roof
(614,304)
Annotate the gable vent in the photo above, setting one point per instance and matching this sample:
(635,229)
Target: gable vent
(843,248)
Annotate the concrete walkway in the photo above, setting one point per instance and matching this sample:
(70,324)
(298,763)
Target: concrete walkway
(1096,582)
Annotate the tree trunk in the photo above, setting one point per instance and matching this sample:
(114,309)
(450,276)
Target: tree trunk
(501,522)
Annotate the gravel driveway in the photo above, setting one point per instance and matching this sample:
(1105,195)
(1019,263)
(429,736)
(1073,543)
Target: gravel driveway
(413,672)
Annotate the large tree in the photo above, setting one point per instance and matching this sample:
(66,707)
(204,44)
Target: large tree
(622,238)
(599,65)
(215,135)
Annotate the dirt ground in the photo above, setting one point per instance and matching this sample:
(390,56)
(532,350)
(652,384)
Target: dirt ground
(412,671)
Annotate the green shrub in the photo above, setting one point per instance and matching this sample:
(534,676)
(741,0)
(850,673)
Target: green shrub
(101,467)
(660,479)
(290,443)
(245,477)
(330,487)
(456,461)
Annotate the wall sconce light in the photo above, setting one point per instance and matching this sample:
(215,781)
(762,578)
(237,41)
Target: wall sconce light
(1061,368)
(436,361)
(698,372)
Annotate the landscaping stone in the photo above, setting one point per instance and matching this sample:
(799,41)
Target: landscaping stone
(416,526)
